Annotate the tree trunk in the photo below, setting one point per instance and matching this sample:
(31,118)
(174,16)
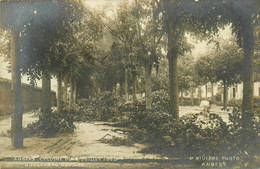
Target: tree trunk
(192,94)
(248,75)
(126,86)
(71,93)
(64,93)
(46,91)
(98,91)
(212,92)
(75,92)
(199,93)
(225,95)
(134,85)
(148,86)
(173,71)
(17,104)
(181,95)
(110,87)
(59,93)
(115,89)
(206,91)
(173,79)
(121,89)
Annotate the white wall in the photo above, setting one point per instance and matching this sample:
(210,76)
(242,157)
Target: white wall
(256,89)
(239,91)
(203,90)
(4,73)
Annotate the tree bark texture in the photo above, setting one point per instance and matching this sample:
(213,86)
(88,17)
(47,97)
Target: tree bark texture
(59,90)
(148,86)
(248,75)
(75,92)
(181,95)
(212,92)
(173,79)
(206,90)
(134,85)
(46,91)
(115,90)
(192,94)
(65,88)
(225,95)
(17,104)
(173,72)
(199,93)
(71,93)
(121,89)
(126,86)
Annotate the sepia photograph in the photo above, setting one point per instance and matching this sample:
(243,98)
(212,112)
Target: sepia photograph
(154,84)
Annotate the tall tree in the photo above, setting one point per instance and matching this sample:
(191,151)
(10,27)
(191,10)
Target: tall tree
(46,91)
(74,50)
(17,104)
(205,69)
(65,90)
(228,67)
(24,22)
(207,16)
(150,33)
(123,30)
(222,64)
(185,68)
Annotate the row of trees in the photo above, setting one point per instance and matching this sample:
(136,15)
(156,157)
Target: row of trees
(137,35)
(148,30)
(60,46)
(223,64)
(74,46)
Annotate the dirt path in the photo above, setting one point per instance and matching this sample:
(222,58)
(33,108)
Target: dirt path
(184,110)
(83,142)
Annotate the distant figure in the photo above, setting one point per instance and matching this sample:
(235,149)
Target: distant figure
(205,105)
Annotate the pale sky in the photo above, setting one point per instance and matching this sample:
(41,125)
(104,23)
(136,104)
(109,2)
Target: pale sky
(96,4)
(200,47)
(4,73)
(100,3)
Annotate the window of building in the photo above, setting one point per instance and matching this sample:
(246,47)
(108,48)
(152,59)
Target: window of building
(234,92)
(259,91)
